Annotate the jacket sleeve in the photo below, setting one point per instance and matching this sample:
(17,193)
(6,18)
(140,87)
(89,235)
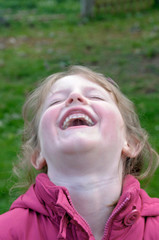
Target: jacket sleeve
(152,228)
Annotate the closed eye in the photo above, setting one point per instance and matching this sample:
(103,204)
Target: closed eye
(56,102)
(97,98)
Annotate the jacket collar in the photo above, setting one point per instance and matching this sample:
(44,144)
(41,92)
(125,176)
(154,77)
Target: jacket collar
(58,200)
(54,201)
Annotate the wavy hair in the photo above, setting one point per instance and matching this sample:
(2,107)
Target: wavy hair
(142,166)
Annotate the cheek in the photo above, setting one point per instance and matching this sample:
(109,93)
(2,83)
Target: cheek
(47,126)
(112,125)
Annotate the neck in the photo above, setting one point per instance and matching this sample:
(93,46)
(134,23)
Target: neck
(92,194)
(91,199)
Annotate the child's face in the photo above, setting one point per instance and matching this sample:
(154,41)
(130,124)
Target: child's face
(79,115)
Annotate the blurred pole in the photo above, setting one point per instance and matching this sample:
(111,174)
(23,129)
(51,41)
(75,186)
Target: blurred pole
(87,7)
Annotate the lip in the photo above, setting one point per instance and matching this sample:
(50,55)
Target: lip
(76,110)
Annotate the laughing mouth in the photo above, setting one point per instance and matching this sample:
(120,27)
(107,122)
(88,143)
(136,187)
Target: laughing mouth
(77,119)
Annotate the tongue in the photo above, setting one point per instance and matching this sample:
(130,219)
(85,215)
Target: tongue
(78,122)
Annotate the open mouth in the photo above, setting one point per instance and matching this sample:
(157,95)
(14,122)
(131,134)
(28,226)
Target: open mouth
(77,119)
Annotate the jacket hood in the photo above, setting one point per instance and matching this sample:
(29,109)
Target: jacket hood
(42,195)
(52,201)
(128,219)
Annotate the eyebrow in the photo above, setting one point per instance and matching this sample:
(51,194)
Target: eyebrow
(93,88)
(59,91)
(101,90)
(84,89)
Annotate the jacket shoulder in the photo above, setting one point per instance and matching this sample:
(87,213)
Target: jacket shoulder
(152,228)
(11,223)
(150,212)
(24,224)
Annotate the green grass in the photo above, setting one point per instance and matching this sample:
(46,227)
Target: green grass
(38,39)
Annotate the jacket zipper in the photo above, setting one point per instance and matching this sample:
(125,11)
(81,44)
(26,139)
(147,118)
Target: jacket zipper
(109,221)
(79,215)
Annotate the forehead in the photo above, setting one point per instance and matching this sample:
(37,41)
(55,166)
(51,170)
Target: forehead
(76,81)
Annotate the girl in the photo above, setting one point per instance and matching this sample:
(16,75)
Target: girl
(85,137)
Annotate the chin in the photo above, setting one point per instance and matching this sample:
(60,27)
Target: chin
(78,144)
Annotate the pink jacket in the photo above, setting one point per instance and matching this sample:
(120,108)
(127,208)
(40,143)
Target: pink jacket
(45,212)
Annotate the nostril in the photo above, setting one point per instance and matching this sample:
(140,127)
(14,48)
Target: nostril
(80,99)
(71,100)
(75,98)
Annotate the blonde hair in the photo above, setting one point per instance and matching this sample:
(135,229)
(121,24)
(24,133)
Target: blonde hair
(142,166)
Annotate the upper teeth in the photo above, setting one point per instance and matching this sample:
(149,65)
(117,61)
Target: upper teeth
(77,116)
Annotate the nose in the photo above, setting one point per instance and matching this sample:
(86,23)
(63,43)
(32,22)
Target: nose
(76,98)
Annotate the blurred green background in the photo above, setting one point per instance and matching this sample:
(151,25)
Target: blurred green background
(38,38)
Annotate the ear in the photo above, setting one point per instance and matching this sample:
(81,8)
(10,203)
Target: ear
(131,149)
(38,160)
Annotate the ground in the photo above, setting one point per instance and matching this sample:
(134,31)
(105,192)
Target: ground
(38,39)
